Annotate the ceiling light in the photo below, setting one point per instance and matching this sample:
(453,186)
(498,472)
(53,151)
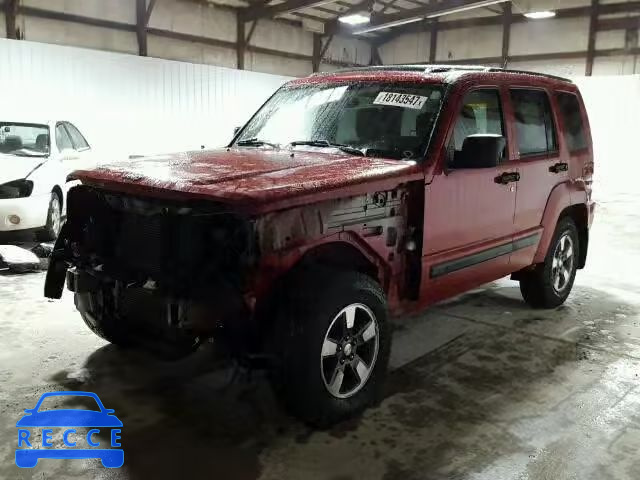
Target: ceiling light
(356,18)
(540,14)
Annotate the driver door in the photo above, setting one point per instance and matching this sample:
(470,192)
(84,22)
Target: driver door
(469,215)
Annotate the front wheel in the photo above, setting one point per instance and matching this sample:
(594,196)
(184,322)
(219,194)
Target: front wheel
(54,220)
(549,285)
(333,346)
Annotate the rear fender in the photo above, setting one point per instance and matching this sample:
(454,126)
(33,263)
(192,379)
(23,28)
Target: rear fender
(562,197)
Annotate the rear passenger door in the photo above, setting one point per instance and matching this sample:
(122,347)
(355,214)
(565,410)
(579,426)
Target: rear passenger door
(540,163)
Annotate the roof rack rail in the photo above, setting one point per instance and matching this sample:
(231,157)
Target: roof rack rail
(435,68)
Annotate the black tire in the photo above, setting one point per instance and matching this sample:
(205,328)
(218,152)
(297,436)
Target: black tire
(54,220)
(306,314)
(538,287)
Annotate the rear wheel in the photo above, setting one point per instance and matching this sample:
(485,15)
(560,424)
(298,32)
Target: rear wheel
(54,220)
(332,346)
(549,285)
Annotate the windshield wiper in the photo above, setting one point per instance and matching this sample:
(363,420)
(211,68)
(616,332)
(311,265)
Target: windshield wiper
(255,142)
(325,143)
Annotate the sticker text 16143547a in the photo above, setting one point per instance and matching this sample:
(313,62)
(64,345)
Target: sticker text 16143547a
(400,100)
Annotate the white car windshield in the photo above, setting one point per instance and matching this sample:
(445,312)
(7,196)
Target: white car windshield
(24,139)
(392,120)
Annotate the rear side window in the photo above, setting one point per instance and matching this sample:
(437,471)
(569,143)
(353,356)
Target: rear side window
(534,124)
(62,138)
(572,121)
(78,140)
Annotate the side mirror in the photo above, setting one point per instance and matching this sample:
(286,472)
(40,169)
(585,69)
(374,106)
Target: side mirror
(236,130)
(480,151)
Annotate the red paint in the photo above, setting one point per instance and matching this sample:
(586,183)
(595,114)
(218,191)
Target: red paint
(256,180)
(465,211)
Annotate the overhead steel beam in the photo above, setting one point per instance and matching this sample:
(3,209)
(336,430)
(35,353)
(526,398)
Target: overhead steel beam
(619,23)
(269,11)
(326,46)
(413,15)
(150,7)
(319,50)
(158,32)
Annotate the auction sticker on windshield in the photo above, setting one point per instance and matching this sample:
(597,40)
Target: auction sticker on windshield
(400,100)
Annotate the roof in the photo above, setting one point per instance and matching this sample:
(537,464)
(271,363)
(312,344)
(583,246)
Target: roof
(434,68)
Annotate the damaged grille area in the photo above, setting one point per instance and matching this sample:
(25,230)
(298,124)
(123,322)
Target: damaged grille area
(179,248)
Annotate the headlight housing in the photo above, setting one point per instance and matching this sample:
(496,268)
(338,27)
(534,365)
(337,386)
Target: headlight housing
(16,189)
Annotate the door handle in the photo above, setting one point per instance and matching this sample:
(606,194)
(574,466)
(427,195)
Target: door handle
(559,167)
(507,177)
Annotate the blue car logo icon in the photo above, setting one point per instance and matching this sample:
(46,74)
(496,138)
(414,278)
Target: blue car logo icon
(67,419)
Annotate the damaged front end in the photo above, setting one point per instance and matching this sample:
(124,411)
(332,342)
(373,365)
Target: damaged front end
(166,275)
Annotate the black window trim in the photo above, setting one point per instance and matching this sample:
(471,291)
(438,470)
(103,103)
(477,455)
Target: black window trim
(548,153)
(585,149)
(84,149)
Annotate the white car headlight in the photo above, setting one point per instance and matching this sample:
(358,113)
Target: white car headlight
(16,189)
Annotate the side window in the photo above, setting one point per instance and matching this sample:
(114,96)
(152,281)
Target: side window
(572,121)
(78,140)
(62,138)
(481,113)
(534,124)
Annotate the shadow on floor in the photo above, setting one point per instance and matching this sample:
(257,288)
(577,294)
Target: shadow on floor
(445,414)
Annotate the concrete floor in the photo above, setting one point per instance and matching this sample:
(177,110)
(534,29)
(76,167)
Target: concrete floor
(482,387)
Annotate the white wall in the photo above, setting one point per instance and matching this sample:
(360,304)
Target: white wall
(612,104)
(127,104)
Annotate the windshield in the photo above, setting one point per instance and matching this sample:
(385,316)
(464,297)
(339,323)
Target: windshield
(392,120)
(24,139)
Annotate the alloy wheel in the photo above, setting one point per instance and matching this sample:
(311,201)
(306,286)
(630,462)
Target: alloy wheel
(349,350)
(56,215)
(562,263)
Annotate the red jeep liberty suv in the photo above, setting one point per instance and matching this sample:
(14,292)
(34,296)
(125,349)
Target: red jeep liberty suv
(347,198)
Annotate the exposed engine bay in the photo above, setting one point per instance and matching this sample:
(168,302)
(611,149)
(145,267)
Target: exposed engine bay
(169,272)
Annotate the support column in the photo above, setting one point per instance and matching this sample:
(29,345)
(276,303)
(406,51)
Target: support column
(10,15)
(507,17)
(240,42)
(591,46)
(433,43)
(317,50)
(141,26)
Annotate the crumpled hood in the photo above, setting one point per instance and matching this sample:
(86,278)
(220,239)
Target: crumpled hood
(249,177)
(16,168)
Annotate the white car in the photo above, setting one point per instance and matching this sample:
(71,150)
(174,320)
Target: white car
(34,165)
